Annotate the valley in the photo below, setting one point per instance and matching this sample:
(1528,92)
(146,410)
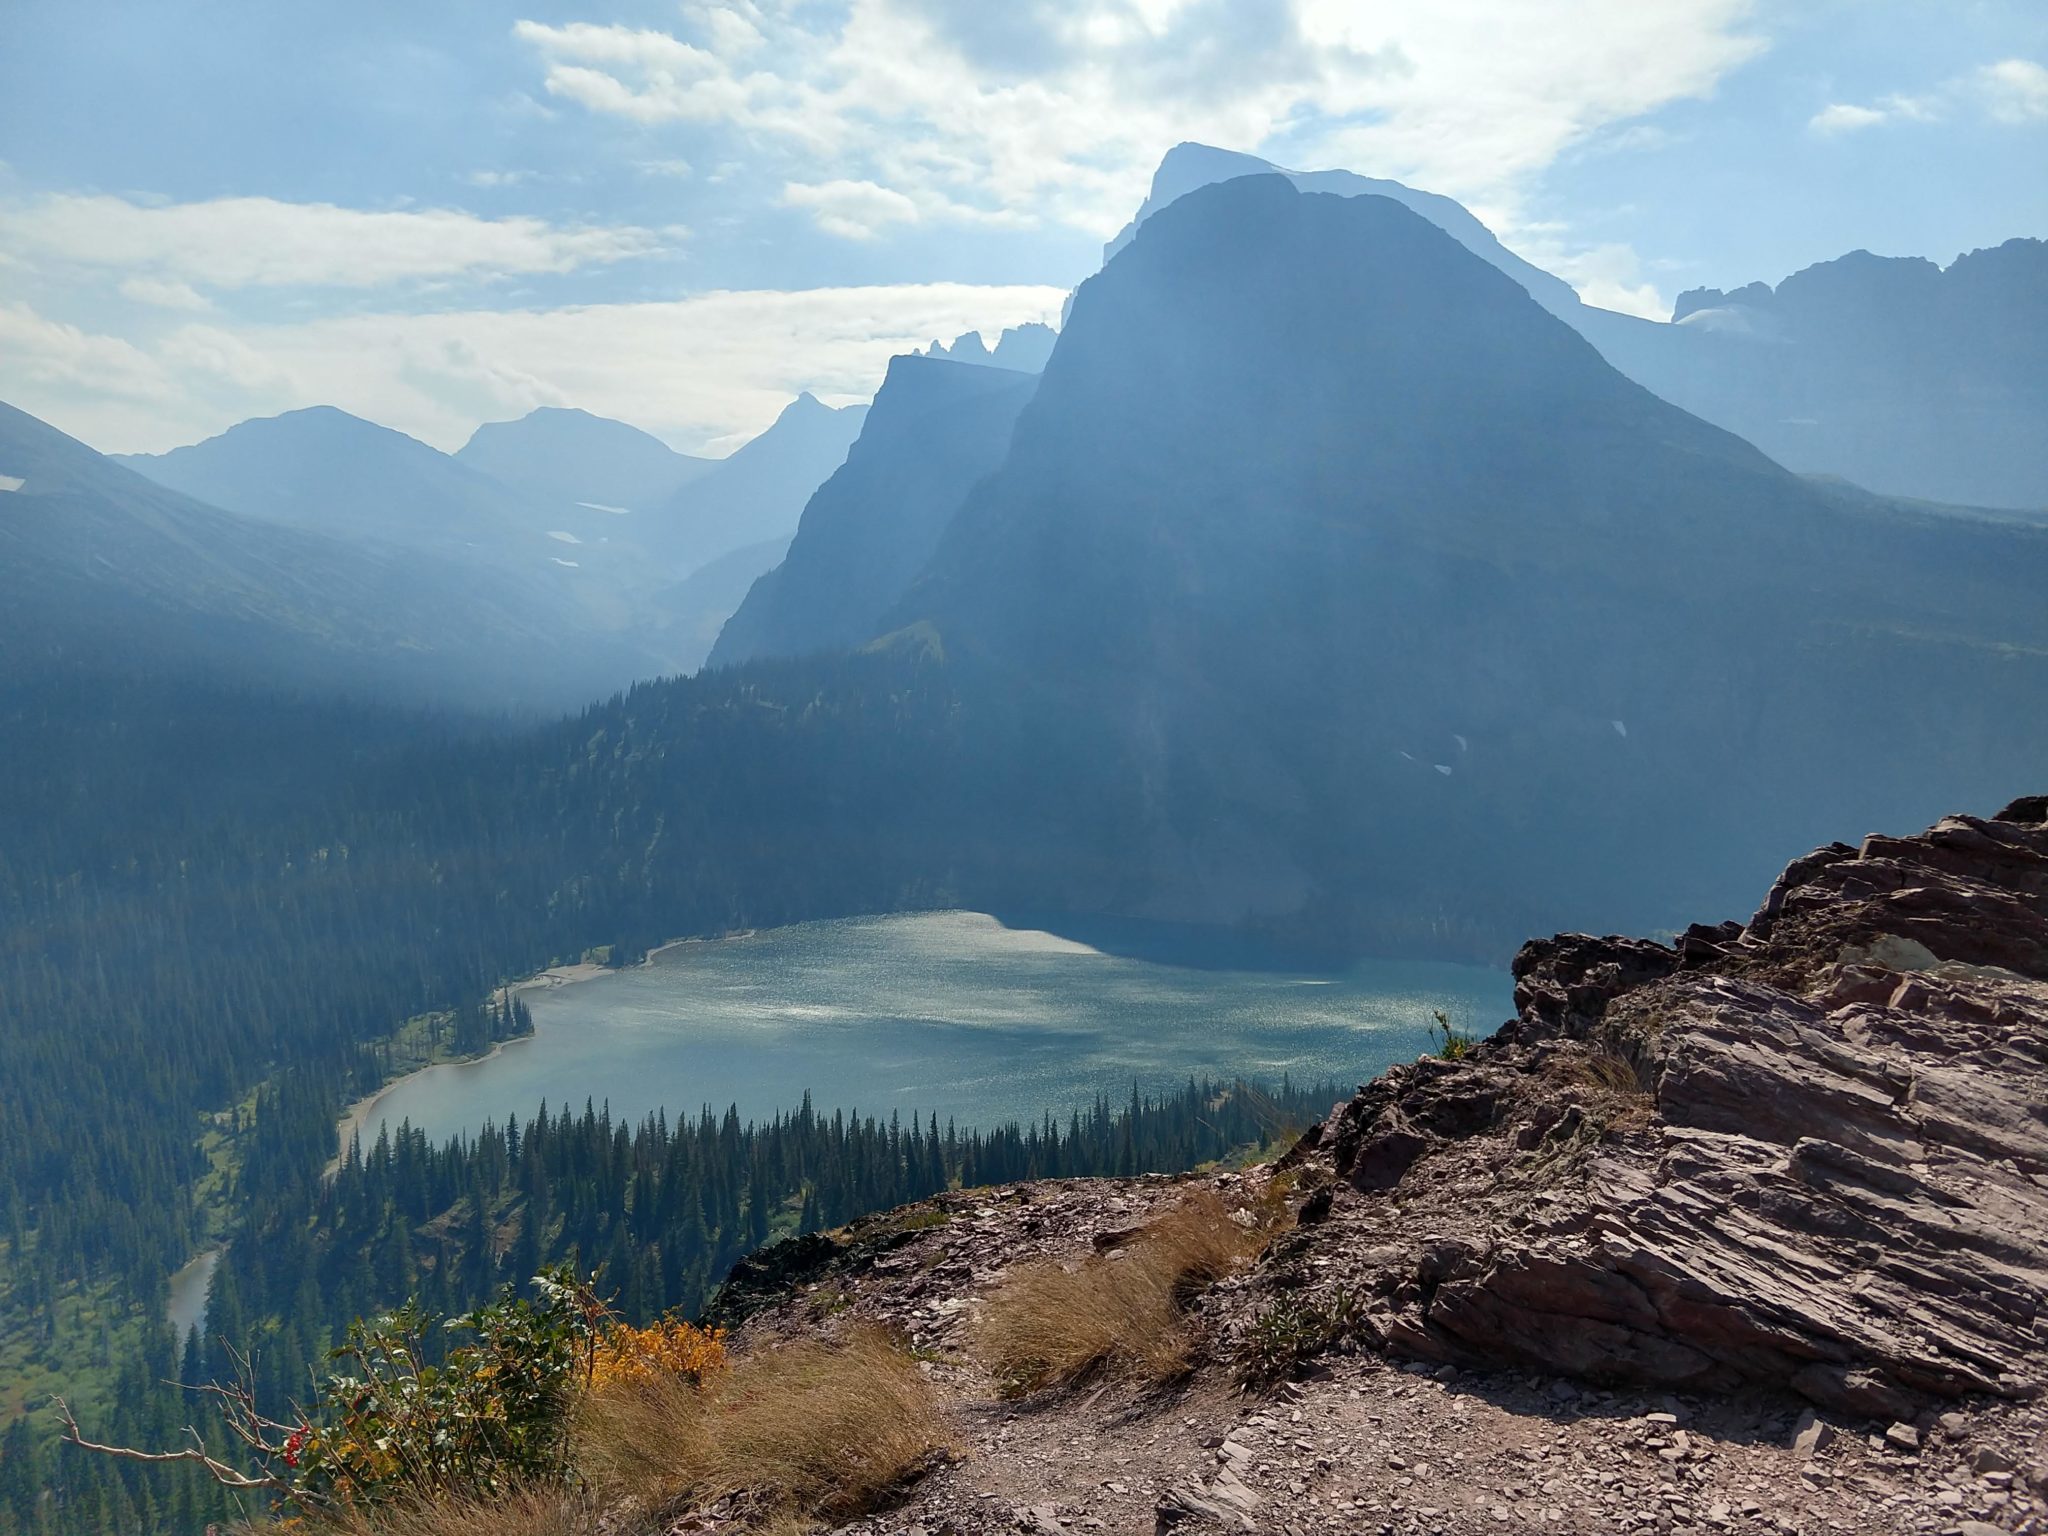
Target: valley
(1023,933)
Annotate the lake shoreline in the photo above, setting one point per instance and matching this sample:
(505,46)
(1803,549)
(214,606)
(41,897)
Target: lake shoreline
(961,1012)
(359,1116)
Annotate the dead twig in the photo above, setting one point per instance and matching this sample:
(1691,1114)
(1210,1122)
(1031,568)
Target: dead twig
(219,1471)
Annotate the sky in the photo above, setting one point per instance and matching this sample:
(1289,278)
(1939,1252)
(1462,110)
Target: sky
(681,214)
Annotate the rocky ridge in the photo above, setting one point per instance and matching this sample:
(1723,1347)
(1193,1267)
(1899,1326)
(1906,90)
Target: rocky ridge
(1810,1152)
(1745,1232)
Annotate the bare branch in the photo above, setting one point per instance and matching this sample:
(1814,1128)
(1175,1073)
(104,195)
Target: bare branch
(219,1471)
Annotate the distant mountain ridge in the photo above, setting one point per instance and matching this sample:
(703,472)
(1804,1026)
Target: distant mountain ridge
(104,569)
(1477,609)
(1022,347)
(604,524)
(757,493)
(1889,372)
(936,427)
(328,472)
(573,458)
(1932,381)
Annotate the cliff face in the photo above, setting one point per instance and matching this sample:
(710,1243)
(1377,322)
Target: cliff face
(935,428)
(1625,1265)
(1379,601)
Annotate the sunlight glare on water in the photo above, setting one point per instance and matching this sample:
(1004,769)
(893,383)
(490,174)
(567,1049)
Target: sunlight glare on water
(952,1013)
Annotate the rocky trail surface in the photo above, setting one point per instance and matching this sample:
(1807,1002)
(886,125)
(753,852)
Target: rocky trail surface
(1747,1233)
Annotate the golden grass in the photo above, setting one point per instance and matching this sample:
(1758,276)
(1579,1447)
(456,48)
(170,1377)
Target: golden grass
(1048,1326)
(534,1512)
(799,1430)
(1618,1099)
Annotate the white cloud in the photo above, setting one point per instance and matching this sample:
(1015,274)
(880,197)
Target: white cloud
(162,293)
(1495,90)
(673,81)
(2014,90)
(710,369)
(1844,117)
(41,352)
(1608,276)
(732,35)
(857,210)
(2011,91)
(249,242)
(1060,109)
(672,166)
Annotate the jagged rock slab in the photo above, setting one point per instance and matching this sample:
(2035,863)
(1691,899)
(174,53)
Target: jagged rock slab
(1809,1152)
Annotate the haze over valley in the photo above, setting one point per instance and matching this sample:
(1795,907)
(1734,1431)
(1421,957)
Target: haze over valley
(727,686)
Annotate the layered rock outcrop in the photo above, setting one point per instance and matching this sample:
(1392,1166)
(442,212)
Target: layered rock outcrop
(1807,1152)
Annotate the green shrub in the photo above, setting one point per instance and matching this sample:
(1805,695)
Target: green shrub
(1449,1043)
(1294,1330)
(390,1428)
(493,1416)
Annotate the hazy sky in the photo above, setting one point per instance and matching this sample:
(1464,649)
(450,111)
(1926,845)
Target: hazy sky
(437,212)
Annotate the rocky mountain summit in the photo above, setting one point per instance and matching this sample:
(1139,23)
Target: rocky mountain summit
(1746,1232)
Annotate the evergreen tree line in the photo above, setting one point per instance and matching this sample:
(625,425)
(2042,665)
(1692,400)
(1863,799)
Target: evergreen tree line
(201,890)
(661,1211)
(218,906)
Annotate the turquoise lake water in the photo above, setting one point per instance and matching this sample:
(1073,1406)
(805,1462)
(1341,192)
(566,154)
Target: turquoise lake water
(953,1013)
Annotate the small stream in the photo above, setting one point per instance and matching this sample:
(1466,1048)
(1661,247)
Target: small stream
(187,1311)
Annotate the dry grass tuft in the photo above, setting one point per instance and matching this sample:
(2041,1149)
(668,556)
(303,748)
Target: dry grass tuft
(797,1429)
(1050,1327)
(1618,1100)
(535,1512)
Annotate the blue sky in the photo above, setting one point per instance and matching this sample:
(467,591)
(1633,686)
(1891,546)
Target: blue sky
(680,214)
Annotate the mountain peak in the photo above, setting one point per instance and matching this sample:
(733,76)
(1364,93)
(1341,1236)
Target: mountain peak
(1188,166)
(1312,502)
(757,493)
(1022,348)
(309,424)
(326,417)
(570,457)
(807,416)
(1356,343)
(936,427)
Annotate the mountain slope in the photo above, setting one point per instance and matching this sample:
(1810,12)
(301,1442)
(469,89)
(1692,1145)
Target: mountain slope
(1651,1200)
(758,493)
(1891,373)
(936,427)
(332,473)
(107,570)
(1189,166)
(1389,598)
(573,459)
(1894,372)
(698,608)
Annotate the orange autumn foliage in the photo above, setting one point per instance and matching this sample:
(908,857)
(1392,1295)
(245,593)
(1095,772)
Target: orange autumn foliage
(625,1356)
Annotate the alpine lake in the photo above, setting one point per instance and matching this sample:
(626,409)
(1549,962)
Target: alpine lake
(956,1014)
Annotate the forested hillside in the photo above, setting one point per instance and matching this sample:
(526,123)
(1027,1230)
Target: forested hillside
(1326,585)
(217,907)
